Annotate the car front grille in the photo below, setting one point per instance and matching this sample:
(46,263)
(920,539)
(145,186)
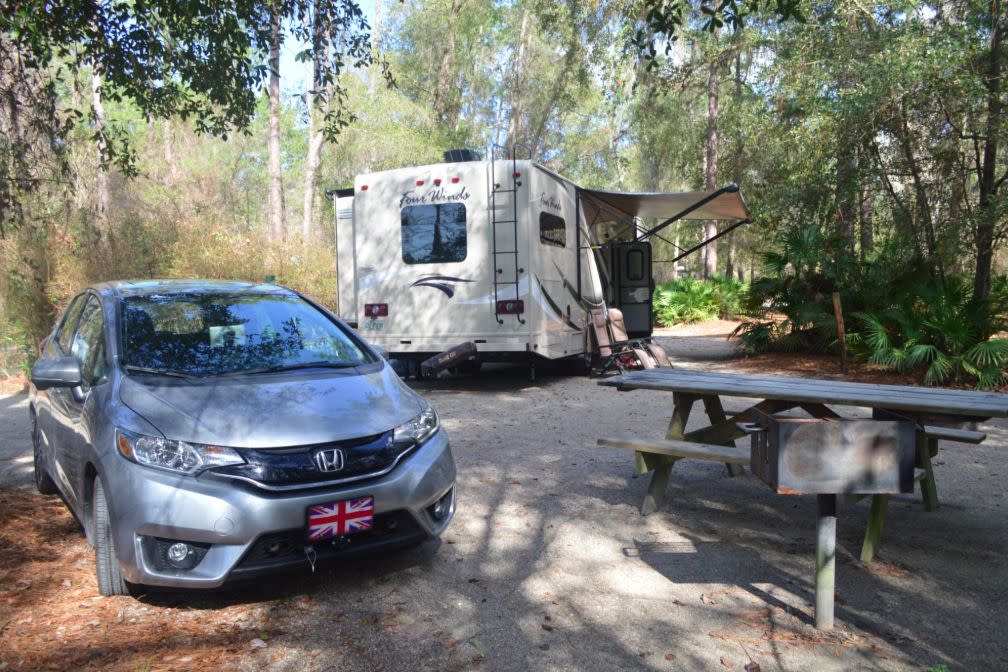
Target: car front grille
(288,468)
(277,550)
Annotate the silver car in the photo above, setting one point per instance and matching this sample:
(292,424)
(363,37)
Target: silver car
(203,432)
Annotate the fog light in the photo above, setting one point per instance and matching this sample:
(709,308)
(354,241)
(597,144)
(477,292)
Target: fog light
(181,555)
(441,509)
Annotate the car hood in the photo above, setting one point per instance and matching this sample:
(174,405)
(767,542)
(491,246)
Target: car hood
(272,409)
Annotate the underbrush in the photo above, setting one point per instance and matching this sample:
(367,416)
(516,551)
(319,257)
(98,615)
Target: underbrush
(43,267)
(690,300)
(898,316)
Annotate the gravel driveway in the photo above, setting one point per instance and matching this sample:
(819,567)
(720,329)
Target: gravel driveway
(548,564)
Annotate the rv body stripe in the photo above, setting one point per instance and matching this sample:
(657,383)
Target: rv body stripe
(447,289)
(556,309)
(449,278)
(585,304)
(433,281)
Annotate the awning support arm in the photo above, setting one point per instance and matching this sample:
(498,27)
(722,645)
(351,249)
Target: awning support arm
(711,239)
(728,189)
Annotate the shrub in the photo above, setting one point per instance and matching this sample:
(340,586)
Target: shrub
(690,300)
(940,330)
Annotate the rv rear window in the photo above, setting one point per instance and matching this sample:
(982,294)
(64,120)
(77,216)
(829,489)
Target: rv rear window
(552,229)
(434,233)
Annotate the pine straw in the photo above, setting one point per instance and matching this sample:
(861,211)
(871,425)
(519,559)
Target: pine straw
(15,384)
(52,618)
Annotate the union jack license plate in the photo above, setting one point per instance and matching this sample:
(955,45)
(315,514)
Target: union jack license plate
(339,518)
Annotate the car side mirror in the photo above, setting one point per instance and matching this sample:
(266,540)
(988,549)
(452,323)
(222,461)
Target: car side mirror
(61,372)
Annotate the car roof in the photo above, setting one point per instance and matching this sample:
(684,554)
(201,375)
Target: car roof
(131,288)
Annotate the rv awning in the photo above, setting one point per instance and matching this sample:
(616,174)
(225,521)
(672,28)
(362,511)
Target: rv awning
(725,204)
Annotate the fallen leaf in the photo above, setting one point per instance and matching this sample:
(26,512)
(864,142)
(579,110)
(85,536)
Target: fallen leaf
(752,666)
(707,600)
(547,627)
(725,663)
(670,656)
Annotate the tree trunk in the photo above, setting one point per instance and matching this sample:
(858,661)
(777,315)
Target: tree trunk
(710,164)
(276,204)
(312,160)
(989,182)
(867,228)
(102,182)
(376,45)
(516,122)
(443,93)
(732,242)
(169,151)
(846,190)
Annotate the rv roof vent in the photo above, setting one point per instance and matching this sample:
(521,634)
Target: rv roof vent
(458,155)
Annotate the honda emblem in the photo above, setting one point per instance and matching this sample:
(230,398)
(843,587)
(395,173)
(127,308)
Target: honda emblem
(330,459)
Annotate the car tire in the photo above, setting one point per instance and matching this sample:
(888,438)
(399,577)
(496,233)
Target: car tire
(43,481)
(110,580)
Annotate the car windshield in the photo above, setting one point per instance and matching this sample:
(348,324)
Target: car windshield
(207,334)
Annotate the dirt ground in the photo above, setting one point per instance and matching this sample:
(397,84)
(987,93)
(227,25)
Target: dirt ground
(548,564)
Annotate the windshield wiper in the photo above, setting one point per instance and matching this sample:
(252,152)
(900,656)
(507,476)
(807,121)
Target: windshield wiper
(133,368)
(293,367)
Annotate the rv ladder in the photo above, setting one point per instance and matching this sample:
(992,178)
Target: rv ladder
(504,216)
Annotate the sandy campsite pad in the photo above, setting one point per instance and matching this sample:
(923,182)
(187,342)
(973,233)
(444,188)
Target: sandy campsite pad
(548,564)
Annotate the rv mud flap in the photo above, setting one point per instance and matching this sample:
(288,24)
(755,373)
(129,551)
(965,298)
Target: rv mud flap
(448,358)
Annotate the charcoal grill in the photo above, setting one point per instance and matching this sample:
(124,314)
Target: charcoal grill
(826,456)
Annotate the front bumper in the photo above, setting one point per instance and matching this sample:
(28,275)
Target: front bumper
(251,531)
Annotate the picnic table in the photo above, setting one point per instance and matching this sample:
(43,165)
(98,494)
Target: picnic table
(939,414)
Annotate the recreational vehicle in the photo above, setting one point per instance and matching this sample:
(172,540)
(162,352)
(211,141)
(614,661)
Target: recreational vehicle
(501,257)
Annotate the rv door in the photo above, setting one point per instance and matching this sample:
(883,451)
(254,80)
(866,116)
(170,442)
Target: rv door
(634,286)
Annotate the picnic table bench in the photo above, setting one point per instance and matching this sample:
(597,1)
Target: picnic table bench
(939,414)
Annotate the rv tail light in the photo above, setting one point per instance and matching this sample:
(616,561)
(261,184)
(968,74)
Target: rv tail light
(455,180)
(516,307)
(376,309)
(419,183)
(437,183)
(363,187)
(517,174)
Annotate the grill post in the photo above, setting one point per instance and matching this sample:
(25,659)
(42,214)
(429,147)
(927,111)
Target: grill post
(825,582)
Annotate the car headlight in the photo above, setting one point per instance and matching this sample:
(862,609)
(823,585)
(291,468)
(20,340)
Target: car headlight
(179,456)
(416,430)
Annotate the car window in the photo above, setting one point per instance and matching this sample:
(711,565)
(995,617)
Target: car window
(205,334)
(88,345)
(69,322)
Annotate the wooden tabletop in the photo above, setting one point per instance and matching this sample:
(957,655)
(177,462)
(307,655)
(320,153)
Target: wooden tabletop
(895,397)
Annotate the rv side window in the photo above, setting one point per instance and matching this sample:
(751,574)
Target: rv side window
(552,229)
(434,233)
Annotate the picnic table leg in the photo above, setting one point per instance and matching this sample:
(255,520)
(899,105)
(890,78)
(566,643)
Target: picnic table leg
(873,531)
(926,447)
(656,488)
(825,581)
(715,411)
(662,466)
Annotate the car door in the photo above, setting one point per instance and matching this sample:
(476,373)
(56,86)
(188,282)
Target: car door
(53,416)
(88,347)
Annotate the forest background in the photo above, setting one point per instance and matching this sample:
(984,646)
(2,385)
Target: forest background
(176,138)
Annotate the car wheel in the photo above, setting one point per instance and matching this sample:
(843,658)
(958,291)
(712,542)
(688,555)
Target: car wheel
(110,580)
(43,481)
